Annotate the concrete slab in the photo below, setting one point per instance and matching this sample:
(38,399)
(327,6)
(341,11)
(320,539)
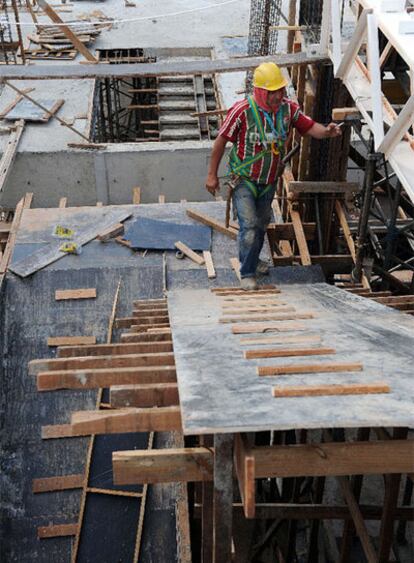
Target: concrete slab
(221,392)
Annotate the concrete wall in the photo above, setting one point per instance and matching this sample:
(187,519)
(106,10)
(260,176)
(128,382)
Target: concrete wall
(177,170)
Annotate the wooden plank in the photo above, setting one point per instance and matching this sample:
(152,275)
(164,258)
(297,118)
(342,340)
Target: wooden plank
(244,464)
(334,458)
(286,231)
(12,237)
(280,353)
(57,530)
(340,114)
(79,46)
(70,340)
(58,431)
(244,293)
(147,337)
(266,327)
(149,302)
(163,419)
(322,390)
(274,308)
(116,349)
(265,288)
(162,466)
(95,378)
(111,232)
(189,253)
(145,395)
(208,259)
(235,264)
(161,198)
(270,317)
(223,498)
(211,222)
(300,187)
(42,257)
(282,340)
(63,202)
(58,483)
(103,70)
(98,362)
(300,236)
(136,196)
(86,293)
(309,368)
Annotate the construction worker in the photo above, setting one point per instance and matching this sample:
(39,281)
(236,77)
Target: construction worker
(259,127)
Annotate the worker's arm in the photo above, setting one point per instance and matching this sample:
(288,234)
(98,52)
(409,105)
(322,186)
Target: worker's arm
(212,182)
(319,131)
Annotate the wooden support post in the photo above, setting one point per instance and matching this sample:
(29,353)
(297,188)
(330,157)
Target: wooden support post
(245,471)
(136,196)
(223,498)
(207,499)
(300,236)
(10,152)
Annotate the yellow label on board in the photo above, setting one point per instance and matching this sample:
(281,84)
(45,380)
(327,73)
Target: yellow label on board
(69,247)
(63,232)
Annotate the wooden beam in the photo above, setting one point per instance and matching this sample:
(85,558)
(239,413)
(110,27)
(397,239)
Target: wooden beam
(116,349)
(236,289)
(300,236)
(58,483)
(150,336)
(111,232)
(144,395)
(63,200)
(10,152)
(79,46)
(189,253)
(300,187)
(162,466)
(340,114)
(211,222)
(96,362)
(57,530)
(136,196)
(324,390)
(334,458)
(4,262)
(244,464)
(70,340)
(286,231)
(280,353)
(282,340)
(157,69)
(309,368)
(95,378)
(208,259)
(266,327)
(87,293)
(163,419)
(269,317)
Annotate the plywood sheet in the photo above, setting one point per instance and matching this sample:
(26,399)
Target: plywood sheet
(220,391)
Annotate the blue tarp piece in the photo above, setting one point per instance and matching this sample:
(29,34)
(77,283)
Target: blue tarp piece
(162,235)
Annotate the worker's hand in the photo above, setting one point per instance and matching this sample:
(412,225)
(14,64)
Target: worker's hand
(212,184)
(333,130)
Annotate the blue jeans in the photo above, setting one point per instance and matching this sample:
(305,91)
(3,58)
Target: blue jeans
(254,216)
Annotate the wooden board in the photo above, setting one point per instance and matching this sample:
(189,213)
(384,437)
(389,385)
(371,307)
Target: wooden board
(44,257)
(208,259)
(322,390)
(211,222)
(102,70)
(57,530)
(309,368)
(117,349)
(280,353)
(145,395)
(101,378)
(87,293)
(323,187)
(189,253)
(163,419)
(96,362)
(162,466)
(70,340)
(58,483)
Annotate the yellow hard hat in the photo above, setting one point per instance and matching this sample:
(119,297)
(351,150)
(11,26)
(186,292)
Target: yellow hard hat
(269,76)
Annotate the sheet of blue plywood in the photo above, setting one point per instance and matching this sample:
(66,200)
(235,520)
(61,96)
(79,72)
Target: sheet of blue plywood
(162,235)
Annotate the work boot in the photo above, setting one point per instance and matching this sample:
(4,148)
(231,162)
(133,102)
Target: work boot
(262,268)
(248,284)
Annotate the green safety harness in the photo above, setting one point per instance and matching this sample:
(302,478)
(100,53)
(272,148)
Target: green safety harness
(277,147)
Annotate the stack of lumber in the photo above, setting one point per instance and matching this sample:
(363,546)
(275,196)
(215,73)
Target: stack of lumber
(52,37)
